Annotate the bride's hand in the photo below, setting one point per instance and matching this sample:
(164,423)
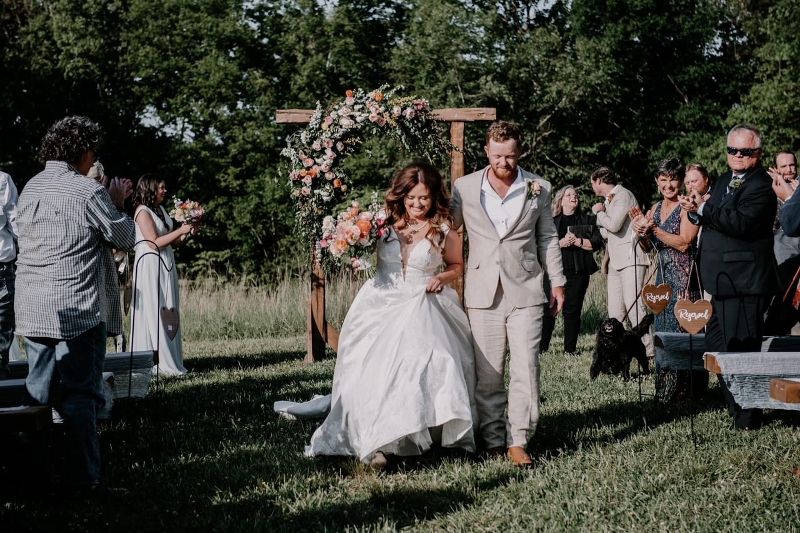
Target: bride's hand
(434,285)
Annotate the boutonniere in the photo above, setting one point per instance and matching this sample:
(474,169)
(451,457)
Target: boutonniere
(610,198)
(534,189)
(735,183)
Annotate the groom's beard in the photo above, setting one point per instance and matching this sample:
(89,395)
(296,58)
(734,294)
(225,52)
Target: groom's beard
(504,173)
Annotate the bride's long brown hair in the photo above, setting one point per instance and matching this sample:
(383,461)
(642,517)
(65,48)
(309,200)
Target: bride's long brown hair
(406,179)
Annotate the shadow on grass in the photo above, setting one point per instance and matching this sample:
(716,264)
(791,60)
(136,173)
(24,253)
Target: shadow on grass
(567,430)
(229,362)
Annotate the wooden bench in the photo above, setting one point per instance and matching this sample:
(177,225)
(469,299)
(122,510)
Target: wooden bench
(785,390)
(673,351)
(132,370)
(750,376)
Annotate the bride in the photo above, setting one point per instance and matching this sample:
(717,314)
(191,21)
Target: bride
(405,371)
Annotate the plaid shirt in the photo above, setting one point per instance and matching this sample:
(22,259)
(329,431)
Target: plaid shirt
(67,224)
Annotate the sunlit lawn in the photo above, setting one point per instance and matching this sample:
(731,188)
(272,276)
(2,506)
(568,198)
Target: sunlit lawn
(206,452)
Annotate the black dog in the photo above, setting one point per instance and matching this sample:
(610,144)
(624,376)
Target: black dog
(616,348)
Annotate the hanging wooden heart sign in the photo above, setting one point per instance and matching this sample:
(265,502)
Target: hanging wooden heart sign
(693,316)
(171,321)
(657,297)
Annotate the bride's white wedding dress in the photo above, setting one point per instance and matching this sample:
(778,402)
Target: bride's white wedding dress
(405,364)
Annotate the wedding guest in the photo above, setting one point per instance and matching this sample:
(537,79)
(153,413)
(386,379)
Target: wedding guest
(116,265)
(737,263)
(405,372)
(578,263)
(789,217)
(66,223)
(8,255)
(673,235)
(627,261)
(155,277)
(782,317)
(785,168)
(697,179)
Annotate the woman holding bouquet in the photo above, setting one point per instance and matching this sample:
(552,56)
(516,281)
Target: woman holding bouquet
(156,304)
(404,371)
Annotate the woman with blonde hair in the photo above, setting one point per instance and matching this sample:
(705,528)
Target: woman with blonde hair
(404,371)
(579,237)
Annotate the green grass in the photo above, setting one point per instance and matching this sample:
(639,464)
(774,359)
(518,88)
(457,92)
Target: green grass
(206,452)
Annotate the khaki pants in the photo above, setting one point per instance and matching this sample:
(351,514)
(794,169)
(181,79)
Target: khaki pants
(520,329)
(623,287)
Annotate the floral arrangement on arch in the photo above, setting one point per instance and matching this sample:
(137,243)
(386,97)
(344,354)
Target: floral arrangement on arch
(318,183)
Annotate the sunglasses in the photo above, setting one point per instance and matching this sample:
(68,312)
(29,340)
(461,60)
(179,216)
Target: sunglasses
(746,152)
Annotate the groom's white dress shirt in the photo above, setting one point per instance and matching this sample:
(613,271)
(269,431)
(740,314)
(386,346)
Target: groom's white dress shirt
(503,211)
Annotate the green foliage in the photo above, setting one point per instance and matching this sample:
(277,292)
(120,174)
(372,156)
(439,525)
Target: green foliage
(189,89)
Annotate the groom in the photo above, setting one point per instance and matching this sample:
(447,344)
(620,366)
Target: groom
(512,243)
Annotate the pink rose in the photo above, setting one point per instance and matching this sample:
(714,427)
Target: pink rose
(349,100)
(409,113)
(340,146)
(316,146)
(305,191)
(308,162)
(307,180)
(397,111)
(328,143)
(329,176)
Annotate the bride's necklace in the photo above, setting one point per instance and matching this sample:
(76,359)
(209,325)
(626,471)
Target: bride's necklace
(413,230)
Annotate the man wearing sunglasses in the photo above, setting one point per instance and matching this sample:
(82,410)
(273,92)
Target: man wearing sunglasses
(736,259)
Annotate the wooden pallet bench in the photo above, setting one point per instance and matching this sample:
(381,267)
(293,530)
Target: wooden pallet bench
(750,376)
(119,363)
(676,351)
(785,390)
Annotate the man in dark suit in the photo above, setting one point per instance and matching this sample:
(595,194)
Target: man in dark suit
(736,258)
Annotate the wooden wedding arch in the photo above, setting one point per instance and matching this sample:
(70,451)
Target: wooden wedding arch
(318,332)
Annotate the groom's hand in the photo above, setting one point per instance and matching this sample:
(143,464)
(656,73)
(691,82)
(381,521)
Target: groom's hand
(556,300)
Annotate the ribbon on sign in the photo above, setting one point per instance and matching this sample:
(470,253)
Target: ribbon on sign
(693,316)
(657,297)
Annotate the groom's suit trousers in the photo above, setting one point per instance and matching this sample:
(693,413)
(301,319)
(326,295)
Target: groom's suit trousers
(521,329)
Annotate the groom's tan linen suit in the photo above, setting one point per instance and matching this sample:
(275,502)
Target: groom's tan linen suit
(627,262)
(505,301)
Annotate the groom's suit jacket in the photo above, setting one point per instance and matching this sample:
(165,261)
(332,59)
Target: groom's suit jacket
(736,247)
(519,258)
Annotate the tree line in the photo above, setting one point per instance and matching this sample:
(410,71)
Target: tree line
(189,88)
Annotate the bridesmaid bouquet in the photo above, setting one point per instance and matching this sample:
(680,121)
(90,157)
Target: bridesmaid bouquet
(351,237)
(187,211)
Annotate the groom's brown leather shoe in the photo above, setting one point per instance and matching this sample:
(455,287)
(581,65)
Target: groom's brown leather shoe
(519,457)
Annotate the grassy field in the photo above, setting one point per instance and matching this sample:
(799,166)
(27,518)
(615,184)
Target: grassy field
(206,452)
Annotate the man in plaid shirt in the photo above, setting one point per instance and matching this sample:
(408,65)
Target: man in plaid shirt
(66,223)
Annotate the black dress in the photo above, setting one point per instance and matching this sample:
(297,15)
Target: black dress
(578,264)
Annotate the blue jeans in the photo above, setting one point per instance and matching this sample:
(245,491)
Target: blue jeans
(6,311)
(66,374)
